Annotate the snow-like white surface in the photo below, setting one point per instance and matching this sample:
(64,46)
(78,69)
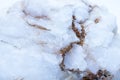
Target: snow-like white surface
(33,54)
(5,5)
(112,6)
(72,61)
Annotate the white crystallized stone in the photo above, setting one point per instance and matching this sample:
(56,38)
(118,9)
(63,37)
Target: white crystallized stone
(29,53)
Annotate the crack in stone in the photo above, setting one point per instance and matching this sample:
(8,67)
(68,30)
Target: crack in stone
(5,42)
(37,26)
(100,75)
(36,17)
(65,50)
(81,36)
